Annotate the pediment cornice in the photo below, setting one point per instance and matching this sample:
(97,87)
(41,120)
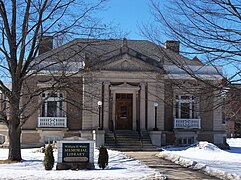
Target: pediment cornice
(126,62)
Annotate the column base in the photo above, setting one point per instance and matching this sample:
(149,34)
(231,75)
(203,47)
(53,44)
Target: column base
(99,137)
(155,137)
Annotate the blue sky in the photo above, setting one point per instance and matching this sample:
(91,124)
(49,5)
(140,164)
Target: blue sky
(128,14)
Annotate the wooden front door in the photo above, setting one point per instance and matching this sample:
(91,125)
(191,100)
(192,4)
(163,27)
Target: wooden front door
(123,112)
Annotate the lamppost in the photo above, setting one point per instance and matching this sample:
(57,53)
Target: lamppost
(155,128)
(99,105)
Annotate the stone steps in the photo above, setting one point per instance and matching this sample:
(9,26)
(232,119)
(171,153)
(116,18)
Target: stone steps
(129,141)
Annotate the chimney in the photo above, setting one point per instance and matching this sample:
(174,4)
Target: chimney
(45,44)
(172,45)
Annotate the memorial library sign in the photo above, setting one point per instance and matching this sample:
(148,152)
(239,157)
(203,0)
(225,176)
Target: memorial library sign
(75,154)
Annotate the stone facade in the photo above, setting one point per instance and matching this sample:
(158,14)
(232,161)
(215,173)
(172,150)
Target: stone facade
(128,77)
(232,110)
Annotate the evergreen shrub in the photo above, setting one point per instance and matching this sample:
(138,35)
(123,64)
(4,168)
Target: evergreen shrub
(48,158)
(103,157)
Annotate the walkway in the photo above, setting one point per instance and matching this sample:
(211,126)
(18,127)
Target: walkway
(167,168)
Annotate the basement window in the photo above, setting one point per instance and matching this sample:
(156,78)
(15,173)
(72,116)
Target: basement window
(51,139)
(185,141)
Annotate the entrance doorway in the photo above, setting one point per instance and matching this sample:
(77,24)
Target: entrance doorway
(123,111)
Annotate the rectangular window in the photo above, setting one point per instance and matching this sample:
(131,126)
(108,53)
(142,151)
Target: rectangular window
(193,111)
(51,139)
(177,109)
(185,110)
(52,109)
(123,111)
(185,107)
(53,105)
(43,109)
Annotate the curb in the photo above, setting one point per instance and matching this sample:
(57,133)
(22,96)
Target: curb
(198,166)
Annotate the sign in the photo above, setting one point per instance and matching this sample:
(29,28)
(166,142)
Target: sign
(75,152)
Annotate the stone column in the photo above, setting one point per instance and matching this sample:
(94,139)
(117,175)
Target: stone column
(160,101)
(96,94)
(142,106)
(151,109)
(217,112)
(219,136)
(134,112)
(113,107)
(87,116)
(106,105)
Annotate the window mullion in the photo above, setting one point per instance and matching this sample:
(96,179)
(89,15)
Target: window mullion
(179,106)
(190,108)
(45,108)
(57,104)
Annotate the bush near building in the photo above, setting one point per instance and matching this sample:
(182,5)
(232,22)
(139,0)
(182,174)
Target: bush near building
(48,158)
(103,157)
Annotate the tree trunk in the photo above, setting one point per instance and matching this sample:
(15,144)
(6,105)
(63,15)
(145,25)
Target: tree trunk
(14,133)
(14,128)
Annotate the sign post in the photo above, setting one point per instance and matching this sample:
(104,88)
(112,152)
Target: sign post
(73,154)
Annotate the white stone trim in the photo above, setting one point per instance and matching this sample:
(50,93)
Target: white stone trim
(193,77)
(193,69)
(123,88)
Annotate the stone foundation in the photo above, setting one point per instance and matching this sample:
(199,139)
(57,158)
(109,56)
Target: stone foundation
(74,166)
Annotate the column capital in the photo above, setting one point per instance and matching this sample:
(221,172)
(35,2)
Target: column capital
(106,83)
(142,84)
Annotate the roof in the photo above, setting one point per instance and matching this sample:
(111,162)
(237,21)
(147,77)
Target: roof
(102,49)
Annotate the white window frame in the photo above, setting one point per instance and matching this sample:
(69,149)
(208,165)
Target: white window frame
(47,99)
(190,101)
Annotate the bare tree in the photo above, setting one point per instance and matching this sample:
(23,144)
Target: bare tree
(208,29)
(209,34)
(22,23)
(232,110)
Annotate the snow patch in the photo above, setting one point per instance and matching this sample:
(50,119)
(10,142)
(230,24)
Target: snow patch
(208,158)
(207,146)
(120,167)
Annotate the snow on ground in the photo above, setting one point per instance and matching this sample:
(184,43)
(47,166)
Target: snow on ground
(209,158)
(120,167)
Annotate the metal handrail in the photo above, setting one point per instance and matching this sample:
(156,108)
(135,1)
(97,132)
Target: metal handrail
(114,132)
(139,132)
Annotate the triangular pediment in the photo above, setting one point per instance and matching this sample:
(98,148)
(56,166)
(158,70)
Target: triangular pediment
(125,86)
(126,62)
